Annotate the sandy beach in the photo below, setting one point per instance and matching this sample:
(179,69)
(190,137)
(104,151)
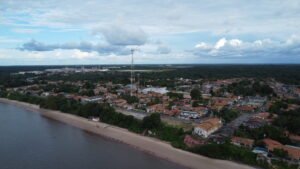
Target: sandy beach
(151,145)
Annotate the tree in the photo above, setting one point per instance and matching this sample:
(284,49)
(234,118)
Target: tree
(175,95)
(151,122)
(280,153)
(196,94)
(195,104)
(130,99)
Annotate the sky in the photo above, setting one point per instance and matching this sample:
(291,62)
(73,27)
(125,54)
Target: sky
(68,32)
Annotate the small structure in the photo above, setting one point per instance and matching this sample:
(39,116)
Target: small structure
(156,108)
(96,119)
(207,127)
(189,115)
(293,151)
(93,99)
(160,90)
(261,151)
(242,142)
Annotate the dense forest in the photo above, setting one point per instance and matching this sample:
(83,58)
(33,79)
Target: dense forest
(289,74)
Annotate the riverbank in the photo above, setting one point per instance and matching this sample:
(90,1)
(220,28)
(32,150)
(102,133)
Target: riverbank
(151,145)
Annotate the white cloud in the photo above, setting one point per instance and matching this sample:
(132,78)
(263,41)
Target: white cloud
(235,48)
(83,46)
(123,35)
(5,40)
(202,45)
(235,42)
(221,43)
(160,16)
(125,24)
(26,30)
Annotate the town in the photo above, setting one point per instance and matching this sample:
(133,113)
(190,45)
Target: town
(260,116)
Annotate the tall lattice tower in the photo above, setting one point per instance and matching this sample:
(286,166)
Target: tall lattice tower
(132,73)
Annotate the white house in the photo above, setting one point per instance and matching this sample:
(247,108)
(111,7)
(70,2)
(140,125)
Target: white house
(161,90)
(207,127)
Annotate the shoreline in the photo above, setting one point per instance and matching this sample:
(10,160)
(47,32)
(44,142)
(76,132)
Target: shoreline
(149,145)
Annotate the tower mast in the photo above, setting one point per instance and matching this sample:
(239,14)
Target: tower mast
(132,75)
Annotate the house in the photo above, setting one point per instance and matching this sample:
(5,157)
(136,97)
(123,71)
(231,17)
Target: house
(219,102)
(242,142)
(207,127)
(265,116)
(255,101)
(100,89)
(156,108)
(272,144)
(119,102)
(294,137)
(246,108)
(160,90)
(172,112)
(293,151)
(201,110)
(93,99)
(45,94)
(253,123)
(260,150)
(189,115)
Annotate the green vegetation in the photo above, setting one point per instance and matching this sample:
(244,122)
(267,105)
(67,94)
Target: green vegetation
(278,106)
(227,114)
(196,94)
(289,120)
(284,165)
(130,99)
(247,88)
(227,151)
(152,121)
(280,153)
(88,92)
(173,95)
(266,131)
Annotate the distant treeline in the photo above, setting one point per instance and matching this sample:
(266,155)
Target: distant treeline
(289,74)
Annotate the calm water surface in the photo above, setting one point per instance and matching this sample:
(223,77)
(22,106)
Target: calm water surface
(30,141)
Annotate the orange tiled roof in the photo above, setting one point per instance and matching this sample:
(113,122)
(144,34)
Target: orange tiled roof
(210,124)
(272,144)
(294,137)
(241,140)
(293,152)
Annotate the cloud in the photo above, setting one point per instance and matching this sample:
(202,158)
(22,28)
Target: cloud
(160,16)
(34,45)
(236,48)
(26,31)
(251,30)
(123,35)
(202,46)
(162,49)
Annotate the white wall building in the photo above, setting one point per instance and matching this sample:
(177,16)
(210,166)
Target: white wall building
(208,127)
(161,90)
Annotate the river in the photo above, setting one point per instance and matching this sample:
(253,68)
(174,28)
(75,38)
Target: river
(31,141)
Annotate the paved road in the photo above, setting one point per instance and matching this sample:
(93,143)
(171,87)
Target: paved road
(228,129)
